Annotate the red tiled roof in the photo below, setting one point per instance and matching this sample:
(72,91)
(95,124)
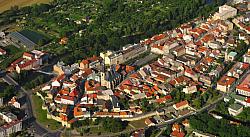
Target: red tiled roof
(158,46)
(245,84)
(26,54)
(226,80)
(17,61)
(177,134)
(208,37)
(182,103)
(27,63)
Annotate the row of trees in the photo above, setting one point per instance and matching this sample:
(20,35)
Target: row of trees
(30,79)
(206,123)
(7,91)
(108,124)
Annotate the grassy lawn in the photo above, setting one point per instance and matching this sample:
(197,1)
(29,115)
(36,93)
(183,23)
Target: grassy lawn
(41,115)
(7,4)
(138,123)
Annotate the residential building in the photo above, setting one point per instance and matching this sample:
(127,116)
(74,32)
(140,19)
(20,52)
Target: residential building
(149,122)
(11,126)
(28,61)
(230,56)
(225,83)
(14,102)
(92,62)
(235,109)
(60,68)
(190,89)
(181,105)
(64,41)
(238,70)
(225,12)
(244,87)
(246,57)
(138,133)
(206,80)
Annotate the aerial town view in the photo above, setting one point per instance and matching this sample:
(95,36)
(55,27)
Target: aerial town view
(124,68)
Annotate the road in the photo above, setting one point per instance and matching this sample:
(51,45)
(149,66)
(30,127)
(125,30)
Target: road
(30,119)
(171,121)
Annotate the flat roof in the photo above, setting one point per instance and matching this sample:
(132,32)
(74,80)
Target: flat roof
(235,106)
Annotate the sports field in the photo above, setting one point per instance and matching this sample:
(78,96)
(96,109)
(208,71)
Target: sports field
(7,4)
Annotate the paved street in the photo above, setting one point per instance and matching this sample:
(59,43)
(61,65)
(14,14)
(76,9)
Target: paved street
(36,127)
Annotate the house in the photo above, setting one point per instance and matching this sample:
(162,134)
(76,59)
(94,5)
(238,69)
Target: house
(92,62)
(157,49)
(2,52)
(138,133)
(244,87)
(231,56)
(176,127)
(11,125)
(14,102)
(206,80)
(190,89)
(177,134)
(28,61)
(181,105)
(60,68)
(149,122)
(191,74)
(185,123)
(235,109)
(240,99)
(225,83)
(246,57)
(63,41)
(80,112)
(176,131)
(238,70)
(91,86)
(225,12)
(164,99)
(57,82)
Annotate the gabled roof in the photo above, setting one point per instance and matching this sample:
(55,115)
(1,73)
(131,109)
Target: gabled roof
(182,103)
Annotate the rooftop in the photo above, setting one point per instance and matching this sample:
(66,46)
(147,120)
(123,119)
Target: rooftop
(235,106)
(226,80)
(245,84)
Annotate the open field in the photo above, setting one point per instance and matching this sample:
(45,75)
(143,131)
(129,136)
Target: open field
(7,4)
